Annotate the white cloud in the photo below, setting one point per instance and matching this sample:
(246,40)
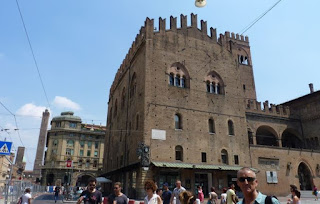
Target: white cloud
(30,109)
(63,102)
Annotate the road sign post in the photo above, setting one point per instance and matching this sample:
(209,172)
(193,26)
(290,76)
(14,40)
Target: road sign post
(5,149)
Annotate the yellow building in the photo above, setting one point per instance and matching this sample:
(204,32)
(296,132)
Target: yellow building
(74,151)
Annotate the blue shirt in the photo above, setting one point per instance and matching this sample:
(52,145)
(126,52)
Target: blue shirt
(261,198)
(166,196)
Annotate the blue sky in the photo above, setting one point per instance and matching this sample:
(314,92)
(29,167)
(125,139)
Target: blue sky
(80,44)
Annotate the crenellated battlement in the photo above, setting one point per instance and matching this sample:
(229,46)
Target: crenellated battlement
(272,109)
(148,32)
(140,38)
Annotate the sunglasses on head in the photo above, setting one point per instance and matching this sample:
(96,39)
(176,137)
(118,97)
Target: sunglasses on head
(249,179)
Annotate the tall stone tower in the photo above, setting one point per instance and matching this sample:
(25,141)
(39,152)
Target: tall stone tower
(20,155)
(38,162)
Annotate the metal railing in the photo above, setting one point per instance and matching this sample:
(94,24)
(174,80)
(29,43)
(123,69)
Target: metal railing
(16,189)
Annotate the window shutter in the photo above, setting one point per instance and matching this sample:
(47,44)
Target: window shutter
(275,177)
(269,178)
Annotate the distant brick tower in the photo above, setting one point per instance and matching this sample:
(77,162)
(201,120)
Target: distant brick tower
(20,155)
(38,162)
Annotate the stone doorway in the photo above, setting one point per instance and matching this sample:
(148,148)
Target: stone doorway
(305,177)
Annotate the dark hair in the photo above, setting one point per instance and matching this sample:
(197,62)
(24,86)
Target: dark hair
(186,197)
(27,190)
(150,184)
(91,180)
(158,190)
(199,186)
(213,189)
(224,190)
(295,189)
(117,184)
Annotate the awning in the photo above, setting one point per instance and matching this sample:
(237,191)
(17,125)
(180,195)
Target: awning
(198,166)
(103,180)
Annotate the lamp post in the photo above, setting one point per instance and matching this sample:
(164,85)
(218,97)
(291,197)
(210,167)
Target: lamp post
(143,151)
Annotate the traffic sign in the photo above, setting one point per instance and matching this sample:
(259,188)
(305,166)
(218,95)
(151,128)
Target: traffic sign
(5,148)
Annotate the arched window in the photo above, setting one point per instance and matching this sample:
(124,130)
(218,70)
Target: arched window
(87,163)
(214,83)
(115,108)
(171,79)
(123,97)
(95,164)
(266,135)
(133,85)
(211,126)
(177,122)
(179,153)
(70,143)
(178,75)
(230,127)
(224,156)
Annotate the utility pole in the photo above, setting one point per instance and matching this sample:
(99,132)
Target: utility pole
(8,181)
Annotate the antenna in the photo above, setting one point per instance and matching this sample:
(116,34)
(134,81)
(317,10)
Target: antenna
(200,3)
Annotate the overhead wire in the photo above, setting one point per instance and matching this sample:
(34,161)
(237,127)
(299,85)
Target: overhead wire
(17,128)
(245,29)
(32,52)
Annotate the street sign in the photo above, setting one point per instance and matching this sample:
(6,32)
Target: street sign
(5,148)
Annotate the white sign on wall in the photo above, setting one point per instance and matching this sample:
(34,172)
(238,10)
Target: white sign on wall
(272,177)
(158,134)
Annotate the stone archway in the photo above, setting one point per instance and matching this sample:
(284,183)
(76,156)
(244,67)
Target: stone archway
(291,139)
(50,179)
(305,177)
(267,136)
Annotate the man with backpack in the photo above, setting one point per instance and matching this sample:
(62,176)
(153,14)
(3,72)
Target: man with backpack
(247,181)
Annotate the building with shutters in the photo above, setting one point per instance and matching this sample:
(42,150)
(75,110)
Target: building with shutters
(183,106)
(74,151)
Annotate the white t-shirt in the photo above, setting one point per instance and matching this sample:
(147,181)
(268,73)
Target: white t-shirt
(25,197)
(153,200)
(176,192)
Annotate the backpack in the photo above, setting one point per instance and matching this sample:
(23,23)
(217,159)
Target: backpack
(268,199)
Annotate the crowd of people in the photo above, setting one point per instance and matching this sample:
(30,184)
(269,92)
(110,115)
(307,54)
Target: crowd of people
(246,180)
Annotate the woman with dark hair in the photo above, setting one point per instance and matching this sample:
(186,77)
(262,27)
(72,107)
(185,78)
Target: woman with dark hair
(213,197)
(26,197)
(200,194)
(295,195)
(224,196)
(151,198)
(186,197)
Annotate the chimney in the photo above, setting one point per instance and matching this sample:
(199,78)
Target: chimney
(311,87)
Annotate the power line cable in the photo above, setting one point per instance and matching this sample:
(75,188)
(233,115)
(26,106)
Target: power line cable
(17,127)
(34,58)
(258,18)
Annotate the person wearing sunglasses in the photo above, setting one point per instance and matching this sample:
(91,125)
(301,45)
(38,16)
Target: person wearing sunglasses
(117,197)
(91,195)
(247,181)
